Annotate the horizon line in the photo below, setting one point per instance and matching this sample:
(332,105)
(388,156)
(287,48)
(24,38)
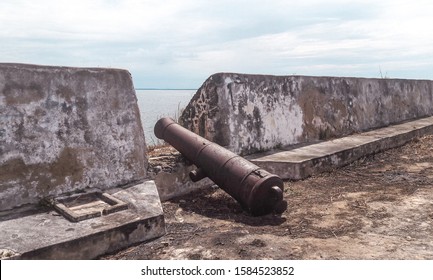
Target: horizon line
(139,88)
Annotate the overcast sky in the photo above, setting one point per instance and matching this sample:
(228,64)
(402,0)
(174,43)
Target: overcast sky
(179,43)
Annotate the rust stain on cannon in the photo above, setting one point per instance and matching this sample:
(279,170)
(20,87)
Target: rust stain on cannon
(258,191)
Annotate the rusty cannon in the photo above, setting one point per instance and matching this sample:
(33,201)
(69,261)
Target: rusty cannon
(258,191)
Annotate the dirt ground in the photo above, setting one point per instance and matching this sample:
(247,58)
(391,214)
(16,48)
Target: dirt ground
(379,207)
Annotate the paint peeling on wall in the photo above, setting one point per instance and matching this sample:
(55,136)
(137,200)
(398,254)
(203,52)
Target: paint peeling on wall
(252,113)
(66,129)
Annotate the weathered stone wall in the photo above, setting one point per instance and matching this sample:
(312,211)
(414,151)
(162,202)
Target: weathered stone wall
(251,113)
(66,129)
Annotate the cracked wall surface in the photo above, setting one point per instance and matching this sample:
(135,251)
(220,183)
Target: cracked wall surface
(66,129)
(254,113)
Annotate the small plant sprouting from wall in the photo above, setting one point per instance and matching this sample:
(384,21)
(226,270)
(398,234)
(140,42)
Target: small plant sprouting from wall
(381,74)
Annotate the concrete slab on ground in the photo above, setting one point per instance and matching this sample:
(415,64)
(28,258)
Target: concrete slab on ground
(302,162)
(45,234)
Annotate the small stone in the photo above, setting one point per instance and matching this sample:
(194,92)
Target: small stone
(157,169)
(258,243)
(6,253)
(408,238)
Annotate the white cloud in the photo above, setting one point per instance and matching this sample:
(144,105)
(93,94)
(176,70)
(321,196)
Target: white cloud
(180,43)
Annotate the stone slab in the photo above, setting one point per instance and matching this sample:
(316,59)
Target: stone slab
(177,183)
(302,162)
(48,235)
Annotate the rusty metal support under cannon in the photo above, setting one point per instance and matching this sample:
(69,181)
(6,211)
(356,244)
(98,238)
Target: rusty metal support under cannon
(258,191)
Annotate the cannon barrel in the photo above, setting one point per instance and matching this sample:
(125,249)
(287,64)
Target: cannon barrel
(258,191)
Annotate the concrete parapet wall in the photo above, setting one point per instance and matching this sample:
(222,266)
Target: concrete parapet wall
(252,113)
(66,129)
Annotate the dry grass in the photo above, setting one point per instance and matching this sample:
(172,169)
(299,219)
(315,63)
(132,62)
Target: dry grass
(160,149)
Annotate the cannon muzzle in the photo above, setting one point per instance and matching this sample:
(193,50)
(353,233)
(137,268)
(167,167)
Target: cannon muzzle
(258,191)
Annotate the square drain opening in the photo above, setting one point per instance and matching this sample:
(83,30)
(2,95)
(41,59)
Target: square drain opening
(80,207)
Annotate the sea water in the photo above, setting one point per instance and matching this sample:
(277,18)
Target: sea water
(155,104)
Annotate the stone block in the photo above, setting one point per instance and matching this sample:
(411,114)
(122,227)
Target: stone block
(66,129)
(255,113)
